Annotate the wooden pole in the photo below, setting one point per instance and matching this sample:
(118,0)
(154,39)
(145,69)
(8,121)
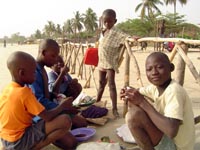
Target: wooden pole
(189,64)
(180,66)
(127,71)
(126,81)
(173,53)
(135,64)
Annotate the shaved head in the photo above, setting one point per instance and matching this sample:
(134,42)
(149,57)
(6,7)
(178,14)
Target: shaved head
(109,12)
(160,55)
(19,60)
(48,52)
(48,44)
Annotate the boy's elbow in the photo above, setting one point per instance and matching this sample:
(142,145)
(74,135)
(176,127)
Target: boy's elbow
(44,115)
(172,134)
(174,127)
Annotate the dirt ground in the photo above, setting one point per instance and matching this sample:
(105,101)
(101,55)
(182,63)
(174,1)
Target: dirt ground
(109,129)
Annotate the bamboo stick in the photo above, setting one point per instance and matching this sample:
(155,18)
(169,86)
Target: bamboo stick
(134,63)
(173,53)
(125,108)
(175,40)
(126,81)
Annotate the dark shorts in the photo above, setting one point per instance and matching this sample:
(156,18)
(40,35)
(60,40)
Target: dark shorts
(32,136)
(165,144)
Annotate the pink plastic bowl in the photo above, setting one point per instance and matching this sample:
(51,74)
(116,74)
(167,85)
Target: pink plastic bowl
(83,134)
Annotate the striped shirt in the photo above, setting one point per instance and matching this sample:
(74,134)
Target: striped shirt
(109,49)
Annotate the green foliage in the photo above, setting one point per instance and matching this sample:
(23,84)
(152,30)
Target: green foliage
(90,20)
(137,27)
(17,38)
(148,8)
(173,23)
(147,27)
(189,31)
(38,34)
(49,29)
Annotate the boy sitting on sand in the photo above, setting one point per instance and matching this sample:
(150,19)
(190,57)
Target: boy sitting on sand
(18,105)
(166,123)
(47,56)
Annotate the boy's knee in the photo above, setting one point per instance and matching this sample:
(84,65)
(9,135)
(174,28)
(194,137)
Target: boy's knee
(134,115)
(112,85)
(64,121)
(102,83)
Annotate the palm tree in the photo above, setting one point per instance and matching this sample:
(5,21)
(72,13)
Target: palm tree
(38,34)
(90,20)
(49,29)
(58,30)
(167,2)
(150,6)
(77,22)
(67,28)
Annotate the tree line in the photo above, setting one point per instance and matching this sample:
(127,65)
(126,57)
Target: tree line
(85,26)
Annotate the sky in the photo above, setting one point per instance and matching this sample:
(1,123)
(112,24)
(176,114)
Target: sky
(26,16)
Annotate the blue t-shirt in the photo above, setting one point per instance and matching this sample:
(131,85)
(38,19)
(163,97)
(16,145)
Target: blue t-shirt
(52,76)
(38,89)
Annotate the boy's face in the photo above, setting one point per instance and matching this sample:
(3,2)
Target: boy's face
(158,70)
(50,56)
(58,65)
(108,21)
(29,72)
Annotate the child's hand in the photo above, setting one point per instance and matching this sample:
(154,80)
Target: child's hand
(71,110)
(67,102)
(64,70)
(123,92)
(134,96)
(68,106)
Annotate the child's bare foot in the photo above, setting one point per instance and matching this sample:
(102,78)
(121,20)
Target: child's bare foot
(115,113)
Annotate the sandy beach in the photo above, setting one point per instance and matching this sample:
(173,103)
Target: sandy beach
(109,129)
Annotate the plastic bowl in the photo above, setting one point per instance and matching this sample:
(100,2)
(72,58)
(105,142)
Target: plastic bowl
(83,134)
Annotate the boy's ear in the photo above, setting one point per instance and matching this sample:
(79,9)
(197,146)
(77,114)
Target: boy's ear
(115,20)
(21,72)
(43,52)
(172,67)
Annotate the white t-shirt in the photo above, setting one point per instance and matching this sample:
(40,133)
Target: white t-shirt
(175,103)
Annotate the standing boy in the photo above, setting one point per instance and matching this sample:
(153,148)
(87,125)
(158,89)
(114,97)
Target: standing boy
(167,122)
(18,105)
(108,52)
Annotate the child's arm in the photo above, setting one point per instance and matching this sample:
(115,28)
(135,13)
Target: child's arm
(65,106)
(59,80)
(167,125)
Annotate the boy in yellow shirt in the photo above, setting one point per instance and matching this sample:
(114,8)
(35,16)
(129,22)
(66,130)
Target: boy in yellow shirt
(167,122)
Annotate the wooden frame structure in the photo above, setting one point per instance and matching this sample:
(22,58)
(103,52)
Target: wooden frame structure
(77,51)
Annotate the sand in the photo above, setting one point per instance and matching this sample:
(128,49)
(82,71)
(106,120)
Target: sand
(109,129)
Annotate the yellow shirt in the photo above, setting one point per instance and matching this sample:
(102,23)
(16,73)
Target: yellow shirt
(17,107)
(175,103)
